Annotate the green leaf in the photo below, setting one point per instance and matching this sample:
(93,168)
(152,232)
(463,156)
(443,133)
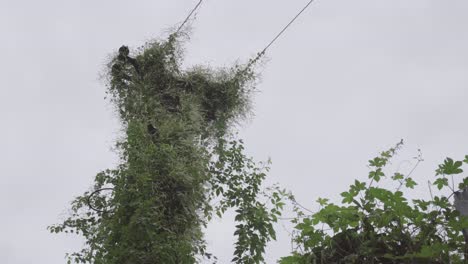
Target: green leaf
(377,162)
(322,201)
(296,259)
(441,182)
(410,183)
(463,184)
(358,186)
(348,197)
(398,176)
(442,202)
(421,204)
(376,175)
(450,167)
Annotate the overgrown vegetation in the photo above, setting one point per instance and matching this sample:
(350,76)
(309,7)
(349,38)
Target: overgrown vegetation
(180,164)
(178,155)
(374,224)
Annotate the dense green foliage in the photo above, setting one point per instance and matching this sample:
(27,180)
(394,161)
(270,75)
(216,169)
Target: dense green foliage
(180,164)
(177,157)
(380,225)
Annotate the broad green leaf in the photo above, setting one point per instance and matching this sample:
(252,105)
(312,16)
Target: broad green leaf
(450,167)
(410,183)
(398,176)
(441,182)
(322,201)
(376,175)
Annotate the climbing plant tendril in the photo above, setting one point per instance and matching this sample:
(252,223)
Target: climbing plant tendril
(178,154)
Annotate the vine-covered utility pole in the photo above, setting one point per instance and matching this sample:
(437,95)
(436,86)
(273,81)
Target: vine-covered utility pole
(176,157)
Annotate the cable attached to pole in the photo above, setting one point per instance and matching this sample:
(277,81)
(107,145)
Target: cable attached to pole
(261,53)
(188,17)
(287,26)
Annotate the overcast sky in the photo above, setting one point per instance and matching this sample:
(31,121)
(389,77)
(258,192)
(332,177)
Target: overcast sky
(349,79)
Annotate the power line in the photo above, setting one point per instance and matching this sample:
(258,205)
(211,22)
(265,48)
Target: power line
(188,17)
(287,26)
(261,53)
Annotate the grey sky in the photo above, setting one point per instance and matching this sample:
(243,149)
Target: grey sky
(349,79)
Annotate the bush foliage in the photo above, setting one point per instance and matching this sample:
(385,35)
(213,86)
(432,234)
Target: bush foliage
(374,224)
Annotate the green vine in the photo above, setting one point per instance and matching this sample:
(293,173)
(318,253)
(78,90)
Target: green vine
(175,160)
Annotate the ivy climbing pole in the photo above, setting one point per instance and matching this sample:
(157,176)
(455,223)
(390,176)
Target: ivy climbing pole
(180,163)
(175,159)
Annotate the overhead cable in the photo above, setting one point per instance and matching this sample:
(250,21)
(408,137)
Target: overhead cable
(188,17)
(261,53)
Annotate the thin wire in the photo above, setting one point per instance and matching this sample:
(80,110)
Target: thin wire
(287,26)
(188,17)
(277,36)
